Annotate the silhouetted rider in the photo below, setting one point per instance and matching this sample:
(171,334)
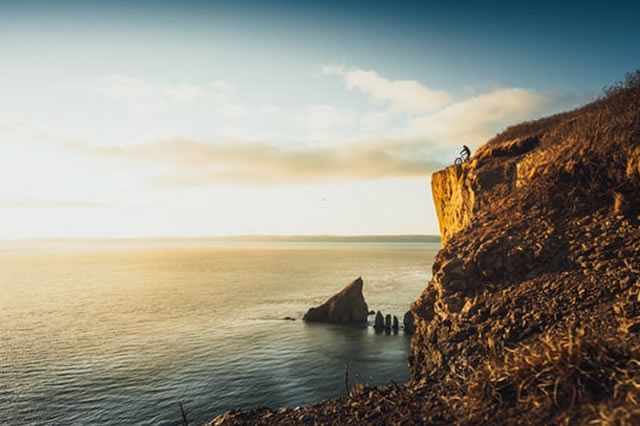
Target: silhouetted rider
(465,153)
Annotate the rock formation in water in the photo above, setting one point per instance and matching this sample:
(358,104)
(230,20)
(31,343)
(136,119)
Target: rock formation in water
(346,307)
(407,321)
(396,324)
(533,312)
(387,322)
(379,322)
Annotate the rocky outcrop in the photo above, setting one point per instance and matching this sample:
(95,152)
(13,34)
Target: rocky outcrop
(387,322)
(462,191)
(379,322)
(407,322)
(346,307)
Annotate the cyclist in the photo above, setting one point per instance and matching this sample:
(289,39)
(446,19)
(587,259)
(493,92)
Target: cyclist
(465,153)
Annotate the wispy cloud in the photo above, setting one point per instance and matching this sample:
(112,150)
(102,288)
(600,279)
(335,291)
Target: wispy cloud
(269,109)
(197,163)
(120,86)
(405,95)
(474,120)
(324,117)
(409,109)
(222,86)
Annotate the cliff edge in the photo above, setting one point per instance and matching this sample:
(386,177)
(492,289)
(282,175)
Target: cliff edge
(533,312)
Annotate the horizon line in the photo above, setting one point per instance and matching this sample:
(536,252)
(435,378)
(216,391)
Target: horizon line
(239,237)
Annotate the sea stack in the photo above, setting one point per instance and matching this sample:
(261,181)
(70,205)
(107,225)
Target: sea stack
(346,307)
(387,322)
(409,327)
(379,323)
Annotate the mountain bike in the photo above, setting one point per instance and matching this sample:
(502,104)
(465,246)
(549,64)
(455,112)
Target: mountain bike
(461,159)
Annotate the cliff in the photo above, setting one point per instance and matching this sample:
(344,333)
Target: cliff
(533,312)
(464,190)
(541,254)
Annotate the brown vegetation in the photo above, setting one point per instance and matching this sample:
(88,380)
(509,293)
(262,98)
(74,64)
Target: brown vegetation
(571,378)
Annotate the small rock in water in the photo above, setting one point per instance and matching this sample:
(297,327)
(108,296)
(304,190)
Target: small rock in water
(396,324)
(372,312)
(289,319)
(379,322)
(387,322)
(409,327)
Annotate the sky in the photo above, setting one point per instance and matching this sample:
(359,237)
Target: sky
(195,119)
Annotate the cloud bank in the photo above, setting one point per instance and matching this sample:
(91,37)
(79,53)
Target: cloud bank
(194,163)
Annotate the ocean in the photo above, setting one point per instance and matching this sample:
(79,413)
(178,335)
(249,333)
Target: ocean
(120,332)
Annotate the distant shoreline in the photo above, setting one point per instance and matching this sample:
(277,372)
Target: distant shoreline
(237,241)
(403,238)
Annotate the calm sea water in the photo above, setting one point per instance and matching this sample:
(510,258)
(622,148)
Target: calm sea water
(118,334)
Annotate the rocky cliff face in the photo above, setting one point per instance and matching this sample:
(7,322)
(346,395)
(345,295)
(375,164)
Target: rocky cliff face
(533,312)
(462,191)
(541,244)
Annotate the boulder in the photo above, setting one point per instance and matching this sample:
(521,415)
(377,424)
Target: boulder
(396,324)
(346,307)
(409,327)
(387,322)
(379,323)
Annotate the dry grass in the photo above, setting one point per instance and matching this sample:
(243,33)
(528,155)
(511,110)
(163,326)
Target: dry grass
(590,155)
(575,378)
(602,116)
